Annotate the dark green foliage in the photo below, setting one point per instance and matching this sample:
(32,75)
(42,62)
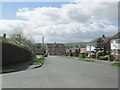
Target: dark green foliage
(82,55)
(39,61)
(111,57)
(76,54)
(100,45)
(71,54)
(12,54)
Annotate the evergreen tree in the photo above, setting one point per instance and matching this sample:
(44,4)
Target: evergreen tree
(99,45)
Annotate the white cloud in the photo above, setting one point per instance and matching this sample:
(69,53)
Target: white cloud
(71,22)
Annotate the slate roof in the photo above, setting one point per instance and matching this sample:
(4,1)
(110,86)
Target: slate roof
(116,36)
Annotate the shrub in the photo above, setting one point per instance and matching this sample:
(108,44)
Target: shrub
(111,57)
(98,54)
(82,55)
(76,54)
(71,54)
(101,58)
(106,57)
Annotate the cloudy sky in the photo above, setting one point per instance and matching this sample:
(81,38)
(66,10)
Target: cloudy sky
(60,21)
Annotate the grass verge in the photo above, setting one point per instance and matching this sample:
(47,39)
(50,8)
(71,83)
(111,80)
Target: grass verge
(86,60)
(39,61)
(89,60)
(116,64)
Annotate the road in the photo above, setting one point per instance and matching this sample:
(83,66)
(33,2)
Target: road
(63,72)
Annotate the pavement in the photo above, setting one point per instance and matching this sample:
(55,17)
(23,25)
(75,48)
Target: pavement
(20,67)
(95,60)
(63,72)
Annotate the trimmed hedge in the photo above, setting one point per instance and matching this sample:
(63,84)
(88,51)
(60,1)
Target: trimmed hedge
(12,54)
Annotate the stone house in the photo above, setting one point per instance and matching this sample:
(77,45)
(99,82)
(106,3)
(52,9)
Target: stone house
(55,49)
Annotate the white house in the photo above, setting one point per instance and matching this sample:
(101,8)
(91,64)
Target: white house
(91,46)
(115,46)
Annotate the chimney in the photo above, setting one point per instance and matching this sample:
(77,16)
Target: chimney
(103,36)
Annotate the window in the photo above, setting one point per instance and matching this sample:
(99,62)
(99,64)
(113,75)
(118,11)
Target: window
(118,51)
(117,41)
(112,51)
(115,51)
(112,41)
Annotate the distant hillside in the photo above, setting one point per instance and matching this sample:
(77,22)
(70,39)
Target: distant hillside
(75,43)
(71,44)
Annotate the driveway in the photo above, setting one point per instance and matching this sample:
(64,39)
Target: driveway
(63,72)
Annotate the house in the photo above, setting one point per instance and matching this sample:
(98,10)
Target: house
(72,49)
(83,50)
(91,46)
(115,46)
(56,49)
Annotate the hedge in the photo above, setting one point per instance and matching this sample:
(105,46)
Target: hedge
(12,54)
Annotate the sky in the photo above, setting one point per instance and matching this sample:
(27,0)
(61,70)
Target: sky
(59,21)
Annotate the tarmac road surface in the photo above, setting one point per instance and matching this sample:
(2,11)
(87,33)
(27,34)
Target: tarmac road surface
(63,72)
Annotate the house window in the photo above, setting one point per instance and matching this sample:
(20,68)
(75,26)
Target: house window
(112,51)
(115,51)
(118,51)
(112,41)
(118,41)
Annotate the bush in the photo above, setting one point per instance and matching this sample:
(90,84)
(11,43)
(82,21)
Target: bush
(71,54)
(98,54)
(39,61)
(82,55)
(76,54)
(106,57)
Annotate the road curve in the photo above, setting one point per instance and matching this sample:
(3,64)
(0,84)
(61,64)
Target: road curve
(63,72)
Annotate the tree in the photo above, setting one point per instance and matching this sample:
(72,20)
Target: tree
(99,45)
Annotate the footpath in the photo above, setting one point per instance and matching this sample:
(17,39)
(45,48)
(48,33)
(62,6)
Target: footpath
(19,67)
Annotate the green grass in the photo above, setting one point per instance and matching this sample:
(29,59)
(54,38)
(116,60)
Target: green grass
(71,44)
(116,64)
(74,44)
(83,59)
(89,60)
(39,61)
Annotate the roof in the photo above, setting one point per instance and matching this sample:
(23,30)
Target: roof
(94,40)
(105,40)
(116,36)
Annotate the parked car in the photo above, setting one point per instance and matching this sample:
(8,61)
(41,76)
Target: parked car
(46,54)
(92,55)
